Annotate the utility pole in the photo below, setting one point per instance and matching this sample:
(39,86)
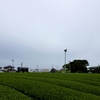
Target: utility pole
(52,65)
(37,68)
(21,64)
(57,67)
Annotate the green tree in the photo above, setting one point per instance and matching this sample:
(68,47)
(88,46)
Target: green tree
(77,66)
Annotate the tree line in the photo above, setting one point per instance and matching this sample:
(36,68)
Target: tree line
(77,66)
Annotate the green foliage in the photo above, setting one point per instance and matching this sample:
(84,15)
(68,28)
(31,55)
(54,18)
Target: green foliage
(77,66)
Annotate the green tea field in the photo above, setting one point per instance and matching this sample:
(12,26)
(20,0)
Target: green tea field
(49,86)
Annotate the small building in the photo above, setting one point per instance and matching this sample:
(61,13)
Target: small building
(22,69)
(37,70)
(9,68)
(53,70)
(0,68)
(92,68)
(45,70)
(41,70)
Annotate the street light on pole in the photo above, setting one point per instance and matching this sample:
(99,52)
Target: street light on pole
(65,59)
(12,62)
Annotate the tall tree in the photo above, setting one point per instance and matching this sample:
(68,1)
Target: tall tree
(77,66)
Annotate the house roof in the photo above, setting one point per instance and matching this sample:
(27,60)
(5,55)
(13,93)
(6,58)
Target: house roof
(9,66)
(93,67)
(23,67)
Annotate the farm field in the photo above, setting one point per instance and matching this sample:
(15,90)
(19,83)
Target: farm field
(49,86)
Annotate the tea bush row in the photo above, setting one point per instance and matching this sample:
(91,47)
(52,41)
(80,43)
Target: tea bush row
(7,93)
(38,90)
(87,88)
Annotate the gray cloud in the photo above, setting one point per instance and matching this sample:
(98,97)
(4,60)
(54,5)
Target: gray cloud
(37,32)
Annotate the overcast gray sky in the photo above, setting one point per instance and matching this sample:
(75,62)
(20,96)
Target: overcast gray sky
(36,32)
